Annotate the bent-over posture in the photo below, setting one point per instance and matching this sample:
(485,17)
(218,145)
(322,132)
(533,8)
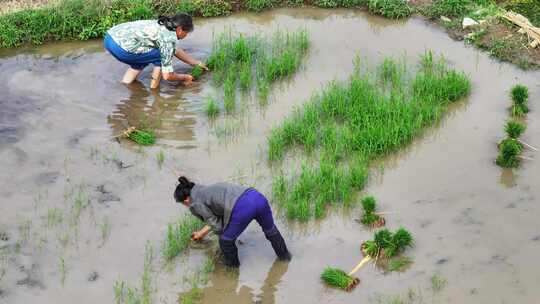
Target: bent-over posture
(227,209)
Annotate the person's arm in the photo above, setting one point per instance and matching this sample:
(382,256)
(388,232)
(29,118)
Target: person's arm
(167,51)
(185,57)
(209,218)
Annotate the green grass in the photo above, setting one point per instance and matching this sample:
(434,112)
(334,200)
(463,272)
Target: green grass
(63,270)
(211,108)
(360,118)
(179,236)
(449,8)
(258,5)
(393,9)
(237,61)
(336,277)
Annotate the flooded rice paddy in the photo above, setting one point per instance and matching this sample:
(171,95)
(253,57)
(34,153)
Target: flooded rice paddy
(475,225)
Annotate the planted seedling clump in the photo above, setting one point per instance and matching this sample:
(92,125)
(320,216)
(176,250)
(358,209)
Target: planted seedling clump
(386,244)
(339,278)
(520,97)
(197,72)
(369,217)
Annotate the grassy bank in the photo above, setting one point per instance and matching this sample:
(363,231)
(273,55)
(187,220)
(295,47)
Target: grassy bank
(348,125)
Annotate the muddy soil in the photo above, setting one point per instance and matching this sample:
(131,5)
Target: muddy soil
(475,225)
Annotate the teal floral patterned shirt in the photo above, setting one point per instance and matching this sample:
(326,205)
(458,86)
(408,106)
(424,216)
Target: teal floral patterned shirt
(142,36)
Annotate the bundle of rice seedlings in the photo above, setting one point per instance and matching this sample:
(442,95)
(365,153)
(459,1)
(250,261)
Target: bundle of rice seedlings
(514,129)
(339,278)
(369,217)
(141,137)
(509,150)
(386,244)
(520,96)
(197,72)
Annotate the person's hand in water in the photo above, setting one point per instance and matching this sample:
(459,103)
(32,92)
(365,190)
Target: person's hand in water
(197,236)
(188,80)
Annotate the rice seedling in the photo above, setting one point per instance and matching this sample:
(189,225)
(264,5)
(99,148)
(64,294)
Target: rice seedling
(63,271)
(105,229)
(245,77)
(520,96)
(338,278)
(362,118)
(229,90)
(24,226)
(200,277)
(123,293)
(211,108)
(119,288)
(55,217)
(514,129)
(160,157)
(399,263)
(179,236)
(437,283)
(80,202)
(509,151)
(369,217)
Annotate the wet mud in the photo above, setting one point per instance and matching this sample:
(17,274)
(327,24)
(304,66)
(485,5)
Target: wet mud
(77,204)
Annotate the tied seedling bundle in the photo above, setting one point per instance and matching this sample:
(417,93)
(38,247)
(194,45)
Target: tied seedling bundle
(520,97)
(197,72)
(511,147)
(386,244)
(369,216)
(340,279)
(141,137)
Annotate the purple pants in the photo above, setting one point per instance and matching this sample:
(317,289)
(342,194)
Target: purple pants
(251,205)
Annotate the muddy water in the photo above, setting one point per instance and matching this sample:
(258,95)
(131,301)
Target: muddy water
(475,225)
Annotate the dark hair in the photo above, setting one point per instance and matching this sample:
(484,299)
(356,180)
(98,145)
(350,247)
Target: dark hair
(183,190)
(182,20)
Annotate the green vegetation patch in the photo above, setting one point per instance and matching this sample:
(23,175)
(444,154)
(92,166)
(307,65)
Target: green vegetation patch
(349,124)
(239,61)
(179,236)
(449,8)
(369,217)
(520,97)
(393,9)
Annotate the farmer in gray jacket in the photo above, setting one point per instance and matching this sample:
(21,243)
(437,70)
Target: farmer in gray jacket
(227,209)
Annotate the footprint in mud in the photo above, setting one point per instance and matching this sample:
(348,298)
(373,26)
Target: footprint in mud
(46,178)
(466,218)
(105,193)
(30,276)
(536,238)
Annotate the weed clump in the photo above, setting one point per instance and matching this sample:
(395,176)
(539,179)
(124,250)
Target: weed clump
(338,278)
(449,8)
(369,217)
(520,97)
(393,9)
(362,118)
(179,235)
(386,244)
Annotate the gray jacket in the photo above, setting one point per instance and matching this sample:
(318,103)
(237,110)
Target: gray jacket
(213,204)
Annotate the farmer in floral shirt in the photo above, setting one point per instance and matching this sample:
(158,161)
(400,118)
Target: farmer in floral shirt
(140,43)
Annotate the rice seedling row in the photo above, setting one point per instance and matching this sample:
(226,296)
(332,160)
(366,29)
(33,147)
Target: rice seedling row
(179,236)
(349,124)
(240,61)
